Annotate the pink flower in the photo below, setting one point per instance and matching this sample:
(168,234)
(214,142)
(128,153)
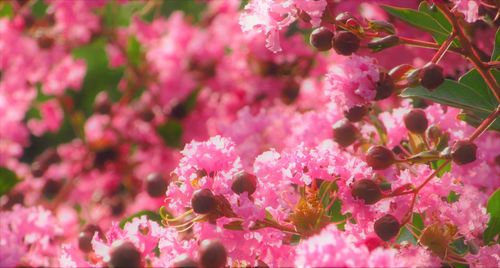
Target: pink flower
(353,81)
(52,116)
(470,9)
(68,73)
(268,17)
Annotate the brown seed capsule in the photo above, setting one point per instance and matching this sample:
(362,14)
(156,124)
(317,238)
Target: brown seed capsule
(345,133)
(356,113)
(386,227)
(156,185)
(463,152)
(366,190)
(321,39)
(385,86)
(244,182)
(345,43)
(124,254)
(416,121)
(431,76)
(379,157)
(212,254)
(203,201)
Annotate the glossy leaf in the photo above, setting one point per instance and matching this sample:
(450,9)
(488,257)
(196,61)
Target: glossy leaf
(455,94)
(419,20)
(8,179)
(493,208)
(495,56)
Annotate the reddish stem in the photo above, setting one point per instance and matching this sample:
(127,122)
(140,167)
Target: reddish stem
(443,48)
(470,52)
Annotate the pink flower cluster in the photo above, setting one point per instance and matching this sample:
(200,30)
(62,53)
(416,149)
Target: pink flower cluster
(230,106)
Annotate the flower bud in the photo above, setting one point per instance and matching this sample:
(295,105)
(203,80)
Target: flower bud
(156,185)
(344,17)
(345,43)
(416,121)
(356,113)
(124,254)
(463,152)
(244,182)
(366,190)
(383,43)
(203,201)
(379,157)
(431,76)
(386,227)
(321,39)
(344,133)
(212,254)
(385,86)
(433,133)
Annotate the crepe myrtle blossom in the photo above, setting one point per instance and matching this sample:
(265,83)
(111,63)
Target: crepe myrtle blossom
(261,133)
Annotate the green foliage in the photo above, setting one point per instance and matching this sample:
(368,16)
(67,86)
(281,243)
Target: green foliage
(426,18)
(436,164)
(171,133)
(470,93)
(120,14)
(407,234)
(190,8)
(8,179)
(39,9)
(6,10)
(495,56)
(334,207)
(98,77)
(150,214)
(134,51)
(492,232)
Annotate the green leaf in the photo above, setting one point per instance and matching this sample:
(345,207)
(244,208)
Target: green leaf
(192,9)
(171,133)
(6,10)
(406,235)
(134,51)
(98,77)
(120,14)
(436,164)
(495,56)
(150,214)
(493,208)
(474,80)
(419,20)
(8,179)
(455,94)
(39,9)
(434,12)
